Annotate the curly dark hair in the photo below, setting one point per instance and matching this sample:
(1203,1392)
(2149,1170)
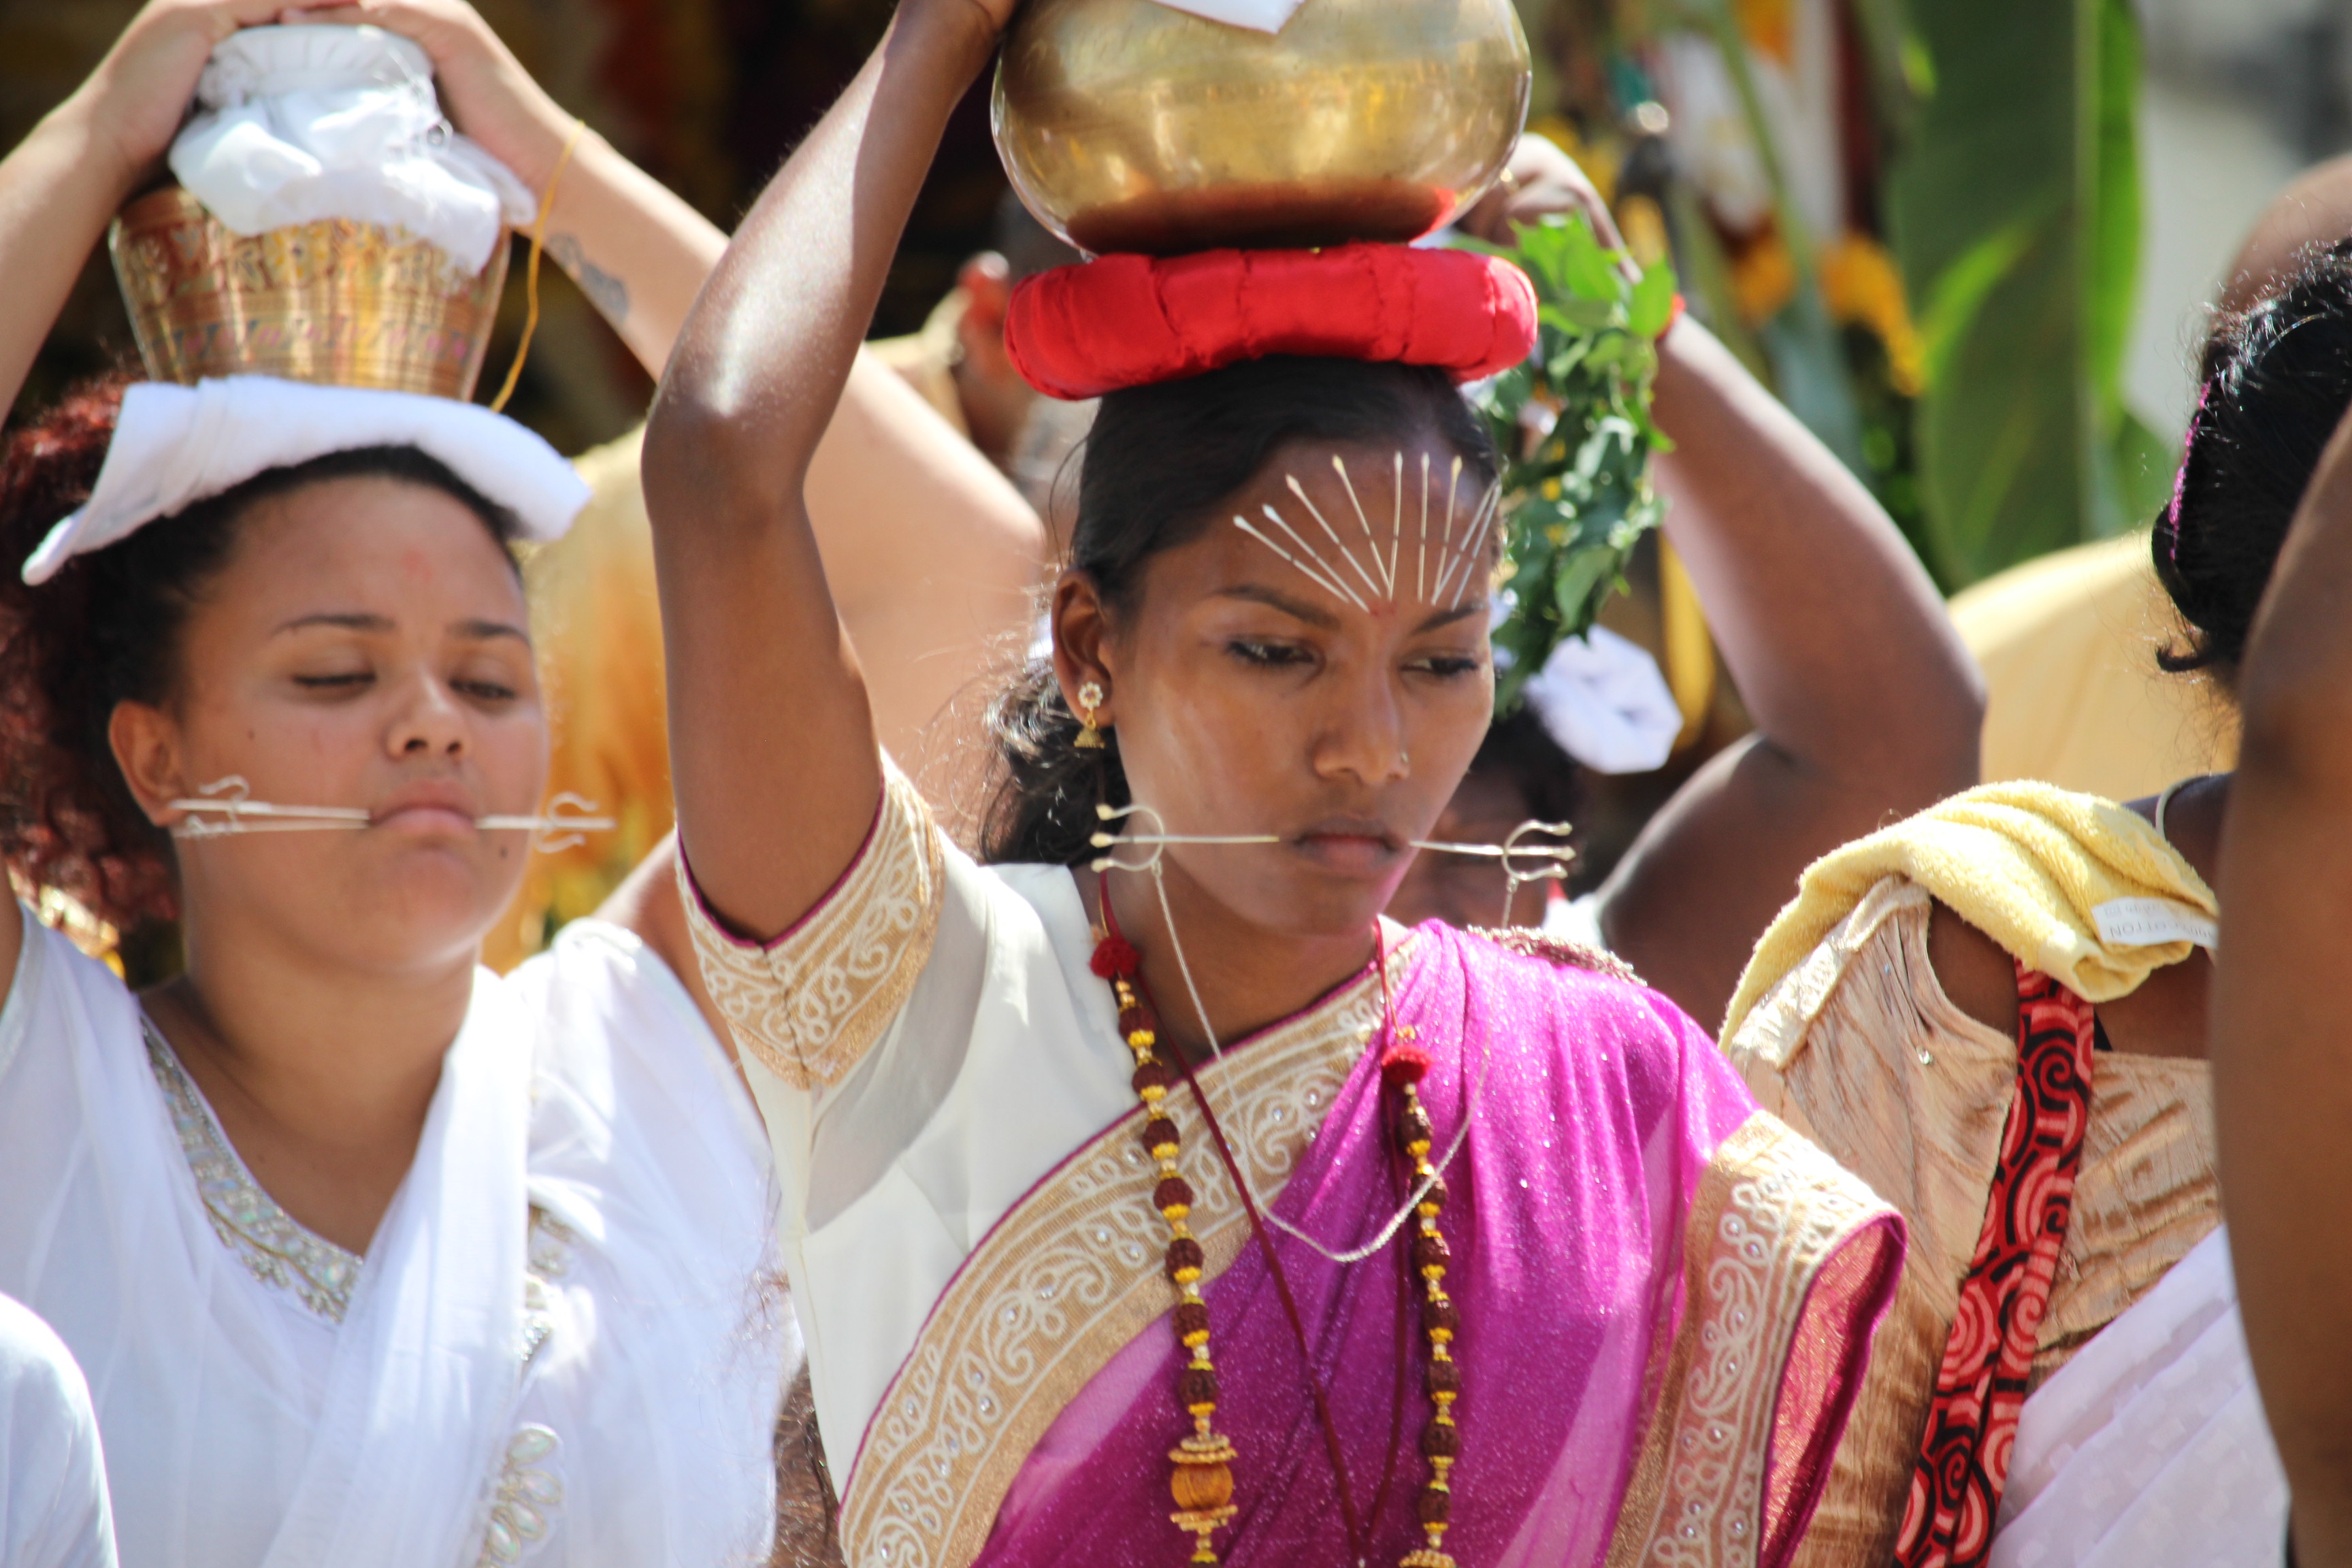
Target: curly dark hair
(107,629)
(2277,379)
(1157,464)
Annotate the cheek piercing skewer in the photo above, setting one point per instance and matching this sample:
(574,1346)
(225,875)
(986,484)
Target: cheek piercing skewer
(568,817)
(1555,857)
(1156,843)
(226,807)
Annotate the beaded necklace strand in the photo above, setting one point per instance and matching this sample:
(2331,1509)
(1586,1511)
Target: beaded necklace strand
(1202,1480)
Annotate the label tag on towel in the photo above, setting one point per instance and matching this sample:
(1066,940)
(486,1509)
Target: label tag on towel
(2149,922)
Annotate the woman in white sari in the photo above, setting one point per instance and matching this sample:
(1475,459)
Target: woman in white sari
(368,1257)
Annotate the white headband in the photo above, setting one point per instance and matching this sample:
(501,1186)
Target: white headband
(175,445)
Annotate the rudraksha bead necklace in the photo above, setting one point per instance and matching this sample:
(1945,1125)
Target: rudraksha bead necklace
(1202,1480)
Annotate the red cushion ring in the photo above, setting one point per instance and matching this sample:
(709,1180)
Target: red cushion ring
(1131,321)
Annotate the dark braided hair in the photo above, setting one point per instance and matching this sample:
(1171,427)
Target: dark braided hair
(107,629)
(1156,467)
(2277,380)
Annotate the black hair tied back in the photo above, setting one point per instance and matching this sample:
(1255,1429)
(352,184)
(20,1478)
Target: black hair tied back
(2278,377)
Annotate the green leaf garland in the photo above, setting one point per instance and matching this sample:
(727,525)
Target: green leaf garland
(1574,425)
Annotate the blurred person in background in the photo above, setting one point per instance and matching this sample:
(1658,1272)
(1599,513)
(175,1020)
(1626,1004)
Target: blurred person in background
(2075,693)
(1996,1014)
(959,362)
(2282,1014)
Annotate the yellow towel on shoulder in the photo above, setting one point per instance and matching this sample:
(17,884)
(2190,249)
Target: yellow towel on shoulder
(2074,886)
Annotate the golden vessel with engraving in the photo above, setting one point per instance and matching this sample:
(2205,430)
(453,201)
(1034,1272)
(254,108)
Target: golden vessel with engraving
(335,302)
(1127,125)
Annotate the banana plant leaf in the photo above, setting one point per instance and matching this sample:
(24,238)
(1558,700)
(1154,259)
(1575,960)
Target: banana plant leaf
(2015,217)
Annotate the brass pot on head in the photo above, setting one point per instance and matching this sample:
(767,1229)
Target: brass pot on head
(1129,126)
(336,302)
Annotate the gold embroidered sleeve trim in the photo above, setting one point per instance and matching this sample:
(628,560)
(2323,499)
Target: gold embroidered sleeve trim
(1065,1280)
(1771,1211)
(810,1004)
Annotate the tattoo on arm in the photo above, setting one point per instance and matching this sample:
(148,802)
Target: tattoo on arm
(606,293)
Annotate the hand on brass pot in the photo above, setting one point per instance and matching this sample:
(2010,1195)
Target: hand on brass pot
(1539,180)
(137,97)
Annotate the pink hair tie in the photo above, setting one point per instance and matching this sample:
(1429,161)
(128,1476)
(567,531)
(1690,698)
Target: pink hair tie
(2181,478)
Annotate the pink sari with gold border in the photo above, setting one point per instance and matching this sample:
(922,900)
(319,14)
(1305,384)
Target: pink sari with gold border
(1666,1297)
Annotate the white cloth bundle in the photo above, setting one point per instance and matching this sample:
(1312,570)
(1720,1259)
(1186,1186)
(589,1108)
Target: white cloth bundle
(1265,16)
(297,124)
(2149,1450)
(1601,695)
(175,445)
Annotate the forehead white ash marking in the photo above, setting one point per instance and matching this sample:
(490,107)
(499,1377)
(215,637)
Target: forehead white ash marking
(1455,560)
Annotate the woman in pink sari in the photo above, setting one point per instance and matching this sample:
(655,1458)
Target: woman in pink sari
(1188,1206)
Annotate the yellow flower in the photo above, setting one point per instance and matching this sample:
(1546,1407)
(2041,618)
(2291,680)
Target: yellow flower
(1770,26)
(1763,278)
(1860,285)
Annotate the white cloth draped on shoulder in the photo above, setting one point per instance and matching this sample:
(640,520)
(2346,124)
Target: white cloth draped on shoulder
(247,1427)
(543,1325)
(2149,1448)
(650,1175)
(53,1505)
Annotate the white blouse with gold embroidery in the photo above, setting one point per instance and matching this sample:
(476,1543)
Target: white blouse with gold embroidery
(921,1070)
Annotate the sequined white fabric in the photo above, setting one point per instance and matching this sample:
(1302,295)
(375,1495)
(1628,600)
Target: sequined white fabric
(579,1251)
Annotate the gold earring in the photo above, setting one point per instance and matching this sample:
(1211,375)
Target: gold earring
(1091,698)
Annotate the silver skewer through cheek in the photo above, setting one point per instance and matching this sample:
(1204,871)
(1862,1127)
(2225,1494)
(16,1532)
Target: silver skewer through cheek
(1155,842)
(226,807)
(1551,860)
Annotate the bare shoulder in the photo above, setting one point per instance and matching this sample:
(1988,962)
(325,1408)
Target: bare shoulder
(1976,971)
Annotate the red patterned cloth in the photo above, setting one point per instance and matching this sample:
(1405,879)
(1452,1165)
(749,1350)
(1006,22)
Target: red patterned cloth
(1981,1387)
(1132,320)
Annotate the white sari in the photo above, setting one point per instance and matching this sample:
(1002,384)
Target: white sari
(535,1347)
(2149,1448)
